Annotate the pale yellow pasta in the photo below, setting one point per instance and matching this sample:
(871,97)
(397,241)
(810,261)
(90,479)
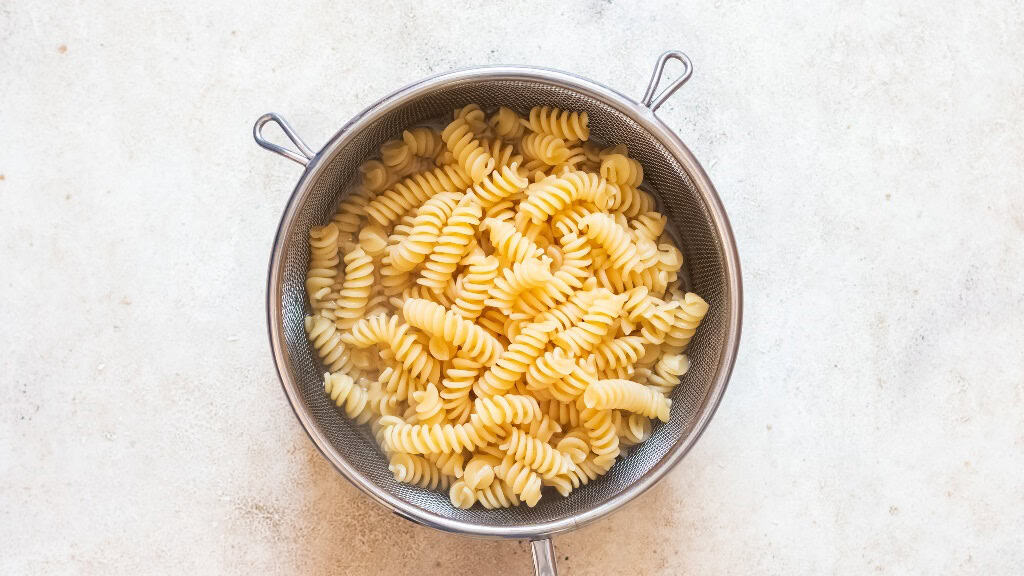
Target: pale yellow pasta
(356,289)
(522,276)
(500,337)
(506,124)
(434,319)
(569,126)
(550,196)
(632,201)
(388,206)
(510,244)
(592,328)
(622,170)
(498,495)
(552,366)
(548,149)
(627,395)
(537,454)
(470,155)
(323,264)
(665,375)
(478,279)
(514,362)
(429,409)
(618,352)
(327,340)
(453,243)
(525,483)
(425,231)
(344,392)
(417,470)
(479,471)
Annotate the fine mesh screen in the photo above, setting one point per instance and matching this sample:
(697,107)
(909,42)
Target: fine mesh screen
(688,216)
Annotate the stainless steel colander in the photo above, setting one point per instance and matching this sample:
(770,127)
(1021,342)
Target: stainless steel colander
(686,196)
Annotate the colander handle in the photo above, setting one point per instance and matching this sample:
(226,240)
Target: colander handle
(654,102)
(544,557)
(257,133)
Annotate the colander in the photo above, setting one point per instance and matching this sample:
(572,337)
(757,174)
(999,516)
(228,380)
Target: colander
(685,195)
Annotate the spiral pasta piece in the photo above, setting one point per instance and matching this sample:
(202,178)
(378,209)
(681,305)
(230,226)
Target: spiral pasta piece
(523,276)
(546,148)
(623,170)
(627,395)
(574,445)
(514,362)
(425,232)
(470,155)
(601,433)
(395,154)
(323,263)
(593,327)
(632,429)
(474,117)
(356,289)
(451,465)
(499,185)
(461,495)
(525,483)
(498,495)
(375,175)
(536,454)
(572,385)
(552,195)
(456,386)
(438,438)
(612,237)
(667,372)
(569,126)
(477,281)
(689,314)
(510,245)
(566,414)
(506,124)
(429,409)
(389,206)
(325,338)
(549,368)
(398,384)
(452,244)
(631,201)
(417,470)
(423,141)
(369,331)
(479,471)
(494,412)
(434,319)
(569,313)
(503,154)
(344,392)
(619,352)
(567,220)
(589,470)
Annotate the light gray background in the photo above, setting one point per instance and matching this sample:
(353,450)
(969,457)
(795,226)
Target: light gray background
(869,154)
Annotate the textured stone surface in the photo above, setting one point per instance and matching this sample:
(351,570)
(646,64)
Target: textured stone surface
(870,156)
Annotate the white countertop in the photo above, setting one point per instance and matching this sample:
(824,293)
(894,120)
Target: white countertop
(870,158)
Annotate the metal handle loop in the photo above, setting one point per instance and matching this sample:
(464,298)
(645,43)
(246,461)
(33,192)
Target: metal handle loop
(257,133)
(543,557)
(649,98)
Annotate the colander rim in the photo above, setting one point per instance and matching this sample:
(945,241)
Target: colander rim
(646,118)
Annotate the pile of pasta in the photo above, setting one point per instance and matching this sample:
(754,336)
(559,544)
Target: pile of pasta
(499,301)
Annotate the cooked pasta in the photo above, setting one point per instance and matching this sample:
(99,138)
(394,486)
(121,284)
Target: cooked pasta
(498,299)
(569,126)
(627,395)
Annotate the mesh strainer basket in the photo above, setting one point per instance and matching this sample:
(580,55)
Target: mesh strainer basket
(685,195)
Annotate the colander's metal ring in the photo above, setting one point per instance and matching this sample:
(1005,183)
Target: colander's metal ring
(640,112)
